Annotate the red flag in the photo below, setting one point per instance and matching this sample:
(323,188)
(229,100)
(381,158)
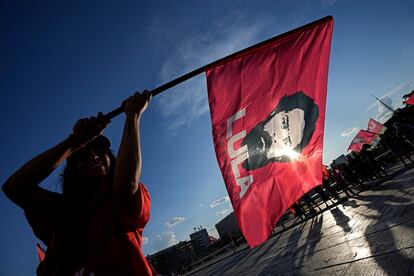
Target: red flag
(267,109)
(362,137)
(410,100)
(374,126)
(41,253)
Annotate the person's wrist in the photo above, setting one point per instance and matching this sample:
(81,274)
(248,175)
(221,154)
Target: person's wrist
(133,115)
(75,142)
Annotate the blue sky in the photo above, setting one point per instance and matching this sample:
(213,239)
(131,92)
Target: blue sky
(63,61)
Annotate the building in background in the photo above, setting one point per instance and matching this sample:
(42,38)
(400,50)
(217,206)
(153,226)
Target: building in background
(183,256)
(174,258)
(341,159)
(200,240)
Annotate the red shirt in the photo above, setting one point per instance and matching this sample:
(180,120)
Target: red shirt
(108,242)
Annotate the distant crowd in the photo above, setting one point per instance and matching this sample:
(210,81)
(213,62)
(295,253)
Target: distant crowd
(346,179)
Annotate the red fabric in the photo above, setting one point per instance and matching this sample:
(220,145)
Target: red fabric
(325,172)
(112,245)
(40,252)
(362,137)
(410,100)
(375,126)
(243,93)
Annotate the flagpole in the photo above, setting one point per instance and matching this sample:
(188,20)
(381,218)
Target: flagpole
(387,106)
(200,70)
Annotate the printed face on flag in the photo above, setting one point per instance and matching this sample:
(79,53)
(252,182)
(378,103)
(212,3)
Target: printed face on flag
(284,133)
(371,126)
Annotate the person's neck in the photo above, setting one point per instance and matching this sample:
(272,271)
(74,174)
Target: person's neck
(90,197)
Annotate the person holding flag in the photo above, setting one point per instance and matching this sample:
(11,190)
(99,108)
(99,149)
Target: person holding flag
(95,226)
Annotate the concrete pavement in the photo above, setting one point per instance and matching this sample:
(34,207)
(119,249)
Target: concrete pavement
(369,234)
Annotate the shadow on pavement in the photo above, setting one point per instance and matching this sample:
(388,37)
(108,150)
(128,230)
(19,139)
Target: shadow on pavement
(341,219)
(389,213)
(291,259)
(390,210)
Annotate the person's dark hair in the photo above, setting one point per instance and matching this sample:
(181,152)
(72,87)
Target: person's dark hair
(255,138)
(73,183)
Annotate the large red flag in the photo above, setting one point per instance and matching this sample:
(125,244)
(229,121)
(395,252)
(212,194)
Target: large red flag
(268,109)
(362,137)
(375,126)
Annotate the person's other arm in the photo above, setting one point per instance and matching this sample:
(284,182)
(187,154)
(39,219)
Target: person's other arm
(128,164)
(23,186)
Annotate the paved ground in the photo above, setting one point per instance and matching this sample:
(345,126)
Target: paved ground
(369,234)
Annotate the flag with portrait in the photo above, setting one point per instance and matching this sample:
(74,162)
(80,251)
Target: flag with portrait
(268,110)
(375,126)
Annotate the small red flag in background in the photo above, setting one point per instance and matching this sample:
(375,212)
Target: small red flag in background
(362,137)
(410,100)
(375,126)
(268,110)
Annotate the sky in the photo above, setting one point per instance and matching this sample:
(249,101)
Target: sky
(61,61)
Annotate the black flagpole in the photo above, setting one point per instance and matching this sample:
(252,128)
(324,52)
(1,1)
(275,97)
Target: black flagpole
(384,104)
(200,70)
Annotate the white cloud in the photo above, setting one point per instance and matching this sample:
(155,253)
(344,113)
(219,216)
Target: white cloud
(401,88)
(213,232)
(144,240)
(404,51)
(164,240)
(188,101)
(174,221)
(328,3)
(222,212)
(349,132)
(219,201)
(383,112)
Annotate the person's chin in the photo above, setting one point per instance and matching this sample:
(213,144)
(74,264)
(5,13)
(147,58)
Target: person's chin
(97,173)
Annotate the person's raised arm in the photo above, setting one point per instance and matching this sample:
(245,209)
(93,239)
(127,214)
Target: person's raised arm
(128,163)
(22,187)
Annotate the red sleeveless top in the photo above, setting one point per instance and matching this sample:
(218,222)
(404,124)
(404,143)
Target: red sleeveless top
(109,243)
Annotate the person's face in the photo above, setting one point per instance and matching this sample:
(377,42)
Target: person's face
(93,163)
(286,131)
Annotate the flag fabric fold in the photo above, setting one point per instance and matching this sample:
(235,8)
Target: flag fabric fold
(267,110)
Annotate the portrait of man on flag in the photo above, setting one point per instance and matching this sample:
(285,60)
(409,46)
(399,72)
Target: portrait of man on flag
(284,133)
